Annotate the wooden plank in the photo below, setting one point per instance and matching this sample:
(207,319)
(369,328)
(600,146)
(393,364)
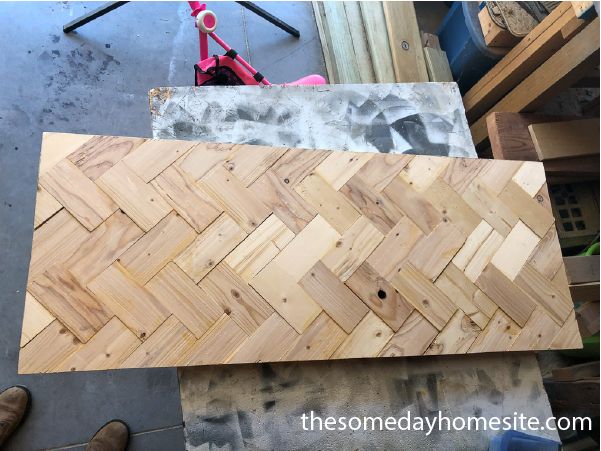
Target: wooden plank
(532,51)
(339,302)
(330,204)
(248,166)
(154,156)
(379,172)
(319,341)
(234,198)
(97,155)
(286,204)
(205,156)
(582,268)
(218,344)
(558,72)
(565,139)
(57,146)
(380,296)
(456,337)
(494,35)
(379,209)
(405,42)
(193,307)
(379,47)
(367,339)
(341,46)
(259,248)
(103,246)
(63,295)
(515,250)
(139,200)
(269,343)
(413,338)
(106,349)
(568,336)
(78,194)
(157,248)
(135,306)
(187,198)
(437,65)
(424,296)
(325,46)
(353,247)
(35,319)
(499,335)
(235,298)
(538,333)
(165,347)
(358,31)
(210,247)
(515,302)
(339,167)
(45,207)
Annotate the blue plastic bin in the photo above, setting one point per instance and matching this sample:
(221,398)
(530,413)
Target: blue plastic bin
(519,441)
(461,38)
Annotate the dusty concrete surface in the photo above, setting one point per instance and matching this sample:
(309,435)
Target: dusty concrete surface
(260,406)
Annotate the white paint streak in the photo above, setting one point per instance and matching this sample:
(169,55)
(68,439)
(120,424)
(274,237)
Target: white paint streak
(185,20)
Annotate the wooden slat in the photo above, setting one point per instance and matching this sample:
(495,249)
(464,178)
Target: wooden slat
(153,157)
(413,338)
(35,319)
(338,36)
(565,139)
(358,31)
(407,59)
(558,72)
(379,47)
(45,207)
(437,65)
(319,341)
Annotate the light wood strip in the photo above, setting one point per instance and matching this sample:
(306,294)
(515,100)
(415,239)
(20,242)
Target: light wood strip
(236,298)
(154,156)
(218,344)
(296,164)
(187,198)
(249,166)
(538,333)
(530,177)
(499,335)
(269,343)
(45,207)
(142,203)
(379,172)
(56,146)
(105,350)
(515,250)
(35,319)
(210,247)
(167,346)
(339,167)
(530,211)
(132,303)
(330,204)
(203,157)
(380,296)
(157,248)
(379,48)
(456,337)
(319,341)
(568,336)
(366,340)
(239,202)
(413,338)
(353,247)
(424,296)
(194,308)
(336,298)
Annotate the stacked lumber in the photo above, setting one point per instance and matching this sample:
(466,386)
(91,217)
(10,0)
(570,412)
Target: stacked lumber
(558,52)
(371,42)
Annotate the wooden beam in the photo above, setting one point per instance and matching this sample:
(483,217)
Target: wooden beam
(365,60)
(405,42)
(557,73)
(323,38)
(554,140)
(338,36)
(379,47)
(540,44)
(494,35)
(437,65)
(582,268)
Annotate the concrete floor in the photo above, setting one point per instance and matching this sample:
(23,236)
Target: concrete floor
(96,81)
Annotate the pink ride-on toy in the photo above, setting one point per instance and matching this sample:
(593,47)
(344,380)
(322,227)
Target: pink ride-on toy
(229,69)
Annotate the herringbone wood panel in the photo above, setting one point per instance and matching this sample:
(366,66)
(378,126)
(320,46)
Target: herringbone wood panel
(165,253)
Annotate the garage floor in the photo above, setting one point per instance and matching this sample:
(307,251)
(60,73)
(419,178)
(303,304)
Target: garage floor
(96,81)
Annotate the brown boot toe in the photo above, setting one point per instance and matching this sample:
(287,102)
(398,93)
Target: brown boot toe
(14,406)
(113,436)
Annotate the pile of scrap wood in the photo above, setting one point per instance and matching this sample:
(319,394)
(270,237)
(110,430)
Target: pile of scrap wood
(377,42)
(557,53)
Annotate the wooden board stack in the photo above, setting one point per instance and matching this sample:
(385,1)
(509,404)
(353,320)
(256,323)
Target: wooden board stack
(151,253)
(370,42)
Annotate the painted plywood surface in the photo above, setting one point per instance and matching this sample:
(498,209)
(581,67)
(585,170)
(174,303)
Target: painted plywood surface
(414,118)
(154,253)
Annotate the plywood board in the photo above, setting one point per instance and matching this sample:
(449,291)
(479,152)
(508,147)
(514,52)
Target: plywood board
(365,255)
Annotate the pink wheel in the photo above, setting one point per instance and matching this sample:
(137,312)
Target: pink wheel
(206,21)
